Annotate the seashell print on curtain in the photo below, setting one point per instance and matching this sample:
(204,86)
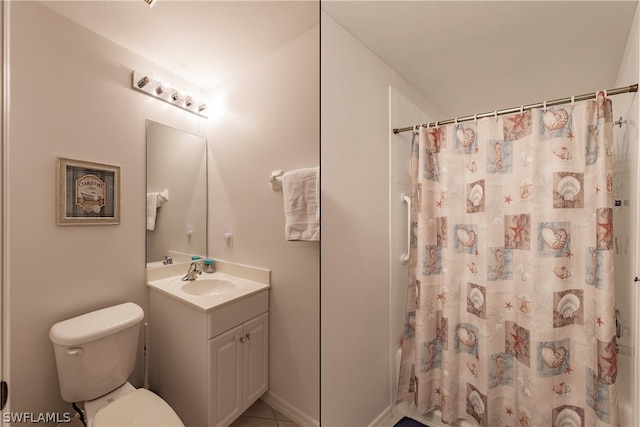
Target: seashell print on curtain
(510,310)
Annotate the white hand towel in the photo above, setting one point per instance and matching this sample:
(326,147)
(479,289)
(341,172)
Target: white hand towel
(154,201)
(301,204)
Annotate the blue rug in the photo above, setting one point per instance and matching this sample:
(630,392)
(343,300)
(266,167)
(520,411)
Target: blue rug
(408,422)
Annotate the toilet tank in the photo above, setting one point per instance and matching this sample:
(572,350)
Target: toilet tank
(96,352)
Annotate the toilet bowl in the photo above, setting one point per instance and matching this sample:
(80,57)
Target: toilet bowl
(95,354)
(128,406)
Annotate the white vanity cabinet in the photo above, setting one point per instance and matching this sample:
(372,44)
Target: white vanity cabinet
(209,365)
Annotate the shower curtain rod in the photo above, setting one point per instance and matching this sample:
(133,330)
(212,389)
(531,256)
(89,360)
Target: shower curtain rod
(617,91)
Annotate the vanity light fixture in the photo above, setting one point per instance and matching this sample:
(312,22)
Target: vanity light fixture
(164,92)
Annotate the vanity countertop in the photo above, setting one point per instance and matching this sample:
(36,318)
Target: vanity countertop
(234,288)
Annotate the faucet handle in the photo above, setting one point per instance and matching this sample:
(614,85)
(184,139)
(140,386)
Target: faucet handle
(167,260)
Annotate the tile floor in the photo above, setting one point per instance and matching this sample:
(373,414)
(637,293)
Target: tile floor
(262,415)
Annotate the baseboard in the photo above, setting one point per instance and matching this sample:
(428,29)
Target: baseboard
(385,419)
(288,410)
(395,417)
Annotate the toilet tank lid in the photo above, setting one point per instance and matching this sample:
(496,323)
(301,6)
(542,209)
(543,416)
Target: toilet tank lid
(96,324)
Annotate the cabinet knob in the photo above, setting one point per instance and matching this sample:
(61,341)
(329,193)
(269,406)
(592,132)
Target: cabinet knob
(248,336)
(242,339)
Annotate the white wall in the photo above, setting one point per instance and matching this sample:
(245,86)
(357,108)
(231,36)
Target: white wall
(70,96)
(269,122)
(355,306)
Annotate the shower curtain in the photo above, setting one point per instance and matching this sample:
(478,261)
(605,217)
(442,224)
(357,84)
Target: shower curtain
(510,311)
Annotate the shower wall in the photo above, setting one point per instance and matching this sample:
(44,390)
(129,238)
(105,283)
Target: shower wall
(625,193)
(625,242)
(402,112)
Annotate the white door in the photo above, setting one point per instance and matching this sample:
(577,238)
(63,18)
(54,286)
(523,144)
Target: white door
(256,358)
(225,386)
(225,377)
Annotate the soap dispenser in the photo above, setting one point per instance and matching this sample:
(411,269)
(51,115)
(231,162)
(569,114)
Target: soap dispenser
(208,266)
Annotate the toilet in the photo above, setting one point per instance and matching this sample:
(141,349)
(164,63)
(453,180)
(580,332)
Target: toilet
(95,354)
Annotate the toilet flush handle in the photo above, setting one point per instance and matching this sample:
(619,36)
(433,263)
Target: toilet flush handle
(75,351)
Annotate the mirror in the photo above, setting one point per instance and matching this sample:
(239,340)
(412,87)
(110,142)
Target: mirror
(176,194)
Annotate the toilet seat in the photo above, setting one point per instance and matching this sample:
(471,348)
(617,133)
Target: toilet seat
(138,408)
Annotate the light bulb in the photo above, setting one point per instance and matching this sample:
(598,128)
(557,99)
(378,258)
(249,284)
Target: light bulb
(143,82)
(162,88)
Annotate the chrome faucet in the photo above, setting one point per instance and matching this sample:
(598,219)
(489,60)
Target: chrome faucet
(193,272)
(167,260)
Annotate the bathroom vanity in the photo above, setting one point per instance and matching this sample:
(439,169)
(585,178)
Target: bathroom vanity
(208,345)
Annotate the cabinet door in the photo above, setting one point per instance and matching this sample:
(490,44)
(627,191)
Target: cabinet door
(225,377)
(256,358)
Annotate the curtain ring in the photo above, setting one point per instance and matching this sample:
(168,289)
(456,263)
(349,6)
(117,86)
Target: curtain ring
(455,121)
(495,115)
(437,122)
(416,128)
(475,117)
(544,106)
(521,109)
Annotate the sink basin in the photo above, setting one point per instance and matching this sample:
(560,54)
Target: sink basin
(208,287)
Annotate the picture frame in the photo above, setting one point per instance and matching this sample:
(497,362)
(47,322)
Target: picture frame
(88,193)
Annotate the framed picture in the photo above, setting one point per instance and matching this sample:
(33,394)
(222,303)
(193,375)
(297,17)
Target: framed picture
(87,193)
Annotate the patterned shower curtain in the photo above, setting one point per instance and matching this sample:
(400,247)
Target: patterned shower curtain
(510,311)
